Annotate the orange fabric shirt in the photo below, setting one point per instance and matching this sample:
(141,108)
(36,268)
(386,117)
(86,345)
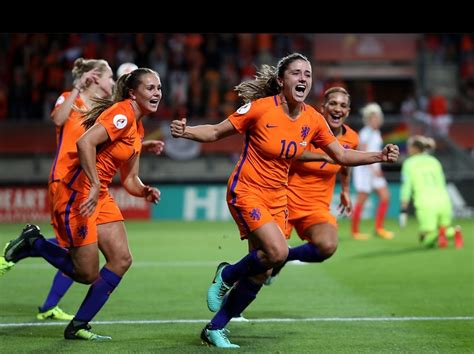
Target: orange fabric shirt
(311,184)
(273,141)
(125,141)
(256,190)
(66,137)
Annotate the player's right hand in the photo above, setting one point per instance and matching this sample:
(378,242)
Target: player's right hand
(178,127)
(88,207)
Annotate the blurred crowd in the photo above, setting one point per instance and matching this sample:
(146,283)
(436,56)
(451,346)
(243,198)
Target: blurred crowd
(198,71)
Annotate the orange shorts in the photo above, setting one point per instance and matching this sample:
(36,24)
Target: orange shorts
(252,209)
(302,222)
(74,230)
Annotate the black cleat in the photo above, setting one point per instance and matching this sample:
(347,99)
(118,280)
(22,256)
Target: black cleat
(23,242)
(82,330)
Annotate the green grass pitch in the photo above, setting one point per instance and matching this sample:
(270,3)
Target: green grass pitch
(371,296)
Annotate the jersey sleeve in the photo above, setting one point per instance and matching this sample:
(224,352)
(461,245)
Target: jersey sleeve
(117,122)
(245,116)
(60,101)
(323,134)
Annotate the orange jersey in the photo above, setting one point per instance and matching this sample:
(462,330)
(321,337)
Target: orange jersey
(66,137)
(272,142)
(311,184)
(125,141)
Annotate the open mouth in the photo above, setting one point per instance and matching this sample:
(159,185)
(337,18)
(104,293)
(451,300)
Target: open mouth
(300,89)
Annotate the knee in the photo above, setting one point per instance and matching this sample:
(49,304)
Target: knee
(120,264)
(125,262)
(86,277)
(277,255)
(328,247)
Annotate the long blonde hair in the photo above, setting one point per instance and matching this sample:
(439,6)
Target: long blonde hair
(81,66)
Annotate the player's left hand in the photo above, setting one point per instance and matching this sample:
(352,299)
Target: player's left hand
(390,153)
(152,195)
(154,146)
(345,207)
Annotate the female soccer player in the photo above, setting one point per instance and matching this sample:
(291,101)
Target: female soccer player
(87,217)
(423,180)
(277,126)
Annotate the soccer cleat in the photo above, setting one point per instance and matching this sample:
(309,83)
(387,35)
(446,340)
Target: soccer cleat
(382,233)
(55,313)
(275,271)
(239,318)
(28,235)
(359,236)
(5,266)
(217,290)
(458,240)
(83,332)
(442,241)
(270,280)
(216,338)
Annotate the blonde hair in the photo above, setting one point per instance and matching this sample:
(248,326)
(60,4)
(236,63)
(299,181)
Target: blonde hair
(126,68)
(81,66)
(336,89)
(369,109)
(422,143)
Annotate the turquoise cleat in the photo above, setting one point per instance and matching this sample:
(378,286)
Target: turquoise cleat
(216,338)
(217,290)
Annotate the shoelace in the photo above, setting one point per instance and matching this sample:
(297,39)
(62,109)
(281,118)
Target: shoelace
(223,289)
(223,333)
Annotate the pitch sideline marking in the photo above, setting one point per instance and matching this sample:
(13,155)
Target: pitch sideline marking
(258,320)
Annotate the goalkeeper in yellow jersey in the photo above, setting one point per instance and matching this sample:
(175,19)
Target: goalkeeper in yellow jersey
(423,180)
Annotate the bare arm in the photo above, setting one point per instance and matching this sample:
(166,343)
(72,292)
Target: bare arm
(349,157)
(86,149)
(134,185)
(153,146)
(309,156)
(60,116)
(345,206)
(205,133)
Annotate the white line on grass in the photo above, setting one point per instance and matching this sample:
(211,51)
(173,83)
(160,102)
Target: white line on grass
(260,320)
(151,264)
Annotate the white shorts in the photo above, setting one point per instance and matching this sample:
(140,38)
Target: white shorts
(365,181)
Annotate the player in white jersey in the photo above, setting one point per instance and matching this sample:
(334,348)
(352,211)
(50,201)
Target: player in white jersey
(370,178)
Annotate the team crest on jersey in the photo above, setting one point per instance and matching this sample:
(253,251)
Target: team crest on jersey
(82,231)
(255,214)
(59,101)
(120,121)
(244,109)
(305,131)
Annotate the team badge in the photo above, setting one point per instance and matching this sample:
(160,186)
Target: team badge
(59,101)
(304,131)
(120,121)
(244,109)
